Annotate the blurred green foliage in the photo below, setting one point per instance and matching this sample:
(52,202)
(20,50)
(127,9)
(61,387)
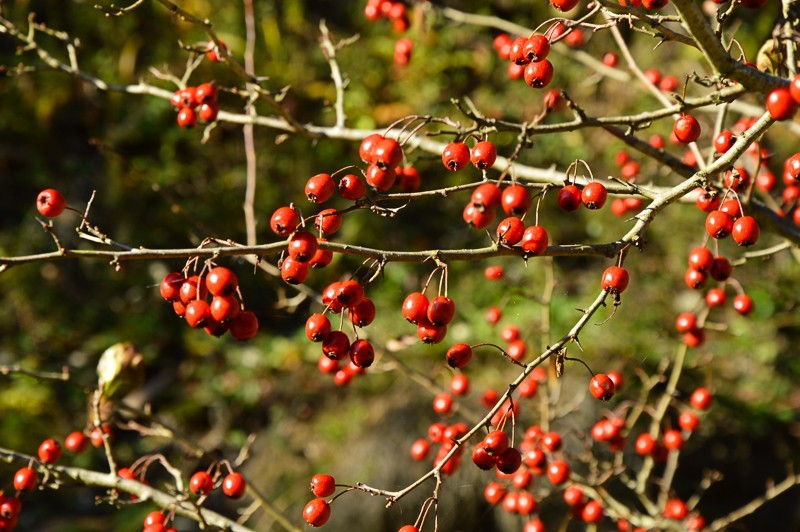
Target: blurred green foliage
(160,186)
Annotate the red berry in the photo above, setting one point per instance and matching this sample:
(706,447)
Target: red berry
(50,203)
(509,461)
(387,153)
(224,308)
(328,221)
(551,441)
(535,240)
(594,195)
(244,326)
(569,198)
(708,202)
(187,118)
(336,345)
(205,93)
(610,59)
(615,279)
(419,449)
(592,512)
(686,129)
(171,285)
(367,148)
(780,104)
(234,485)
(302,246)
(601,387)
(49,451)
(96,437)
(317,512)
(720,269)
(715,297)
(441,310)
(459,355)
(322,257)
(486,196)
(323,485)
(197,313)
(675,509)
(76,442)
(415,307)
(645,444)
(745,231)
(284,221)
(208,112)
(558,472)
(617,379)
(216,53)
(201,483)
(410,180)
(701,258)
(319,188)
(719,224)
(459,384)
(220,281)
(351,187)
(362,354)
(539,74)
(563,5)
(743,304)
(482,458)
(536,48)
(25,479)
(724,141)
(695,279)
(477,218)
(154,518)
(673,440)
(455,156)
(686,321)
(443,403)
(688,421)
(494,273)
(483,155)
(362,313)
(701,399)
(694,338)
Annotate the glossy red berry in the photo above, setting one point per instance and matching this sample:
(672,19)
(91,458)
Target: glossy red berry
(419,449)
(688,421)
(302,246)
(49,451)
(323,485)
(539,74)
(486,196)
(187,118)
(719,224)
(695,279)
(318,326)
(615,279)
(234,485)
(201,483)
(516,200)
(96,437)
(443,403)
(700,258)
(322,257)
(720,269)
(675,509)
(319,188)
(455,156)
(328,221)
(558,472)
(224,308)
(743,304)
(477,218)
(25,479)
(673,440)
(50,203)
(351,187)
(724,141)
(459,355)
(362,354)
(367,147)
(686,129)
(482,458)
(208,112)
(707,202)
(76,442)
(536,48)
(745,231)
(601,387)
(552,441)
(221,281)
(441,310)
(510,231)
(701,399)
(563,5)
(387,153)
(780,104)
(569,198)
(154,519)
(197,313)
(594,195)
(483,155)
(509,461)
(336,345)
(715,297)
(284,221)
(592,512)
(535,240)
(317,512)
(686,321)
(244,326)
(410,179)
(415,307)
(362,313)
(171,285)
(459,384)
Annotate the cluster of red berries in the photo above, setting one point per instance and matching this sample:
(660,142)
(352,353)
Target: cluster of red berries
(317,511)
(195,103)
(223,313)
(201,484)
(445,436)
(593,196)
(393,10)
(430,317)
(668,83)
(514,199)
(338,297)
(457,155)
(528,57)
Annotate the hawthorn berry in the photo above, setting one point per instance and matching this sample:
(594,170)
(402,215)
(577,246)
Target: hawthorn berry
(25,479)
(284,221)
(49,451)
(201,483)
(96,437)
(686,129)
(695,279)
(539,74)
(601,387)
(494,273)
(645,444)
(592,512)
(187,118)
(317,512)
(477,218)
(536,48)
(367,147)
(551,441)
(745,231)
(482,458)
(675,509)
(197,313)
(563,5)
(673,440)
(483,155)
(558,472)
(302,246)
(724,141)
(419,449)
(720,269)
(455,156)
(443,403)
(76,442)
(688,421)
(323,485)
(780,104)
(319,188)
(458,355)
(362,353)
(719,224)
(569,198)
(50,203)
(351,187)
(509,461)
(743,304)
(701,399)
(387,153)
(322,257)
(535,240)
(700,258)
(336,345)
(594,195)
(328,221)
(486,196)
(615,279)
(244,326)
(362,313)
(494,492)
(459,384)
(715,297)
(441,310)
(234,485)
